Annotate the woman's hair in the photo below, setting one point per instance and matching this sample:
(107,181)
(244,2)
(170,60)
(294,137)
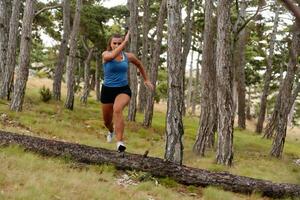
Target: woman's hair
(115,35)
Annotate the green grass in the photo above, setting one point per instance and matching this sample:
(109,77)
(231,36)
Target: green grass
(29,176)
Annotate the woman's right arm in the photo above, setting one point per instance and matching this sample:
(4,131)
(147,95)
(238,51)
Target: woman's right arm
(109,55)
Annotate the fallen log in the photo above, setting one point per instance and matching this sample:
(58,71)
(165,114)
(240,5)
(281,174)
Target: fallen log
(155,166)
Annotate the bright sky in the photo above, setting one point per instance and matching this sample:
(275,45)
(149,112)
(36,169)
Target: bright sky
(111,3)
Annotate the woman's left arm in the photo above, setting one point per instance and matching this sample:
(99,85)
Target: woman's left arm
(133,59)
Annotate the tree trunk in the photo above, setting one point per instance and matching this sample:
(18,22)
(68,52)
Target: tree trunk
(142,91)
(286,96)
(69,104)
(190,84)
(62,56)
(97,88)
(93,81)
(174,124)
(267,76)
(24,57)
(248,110)
(11,51)
(208,86)
(224,85)
(5,13)
(197,87)
(187,43)
(155,64)
(86,87)
(291,115)
(270,127)
(155,166)
(239,61)
(133,9)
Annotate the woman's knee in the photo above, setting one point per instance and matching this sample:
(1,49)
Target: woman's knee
(118,110)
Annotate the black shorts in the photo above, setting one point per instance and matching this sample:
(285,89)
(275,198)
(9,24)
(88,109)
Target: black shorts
(108,94)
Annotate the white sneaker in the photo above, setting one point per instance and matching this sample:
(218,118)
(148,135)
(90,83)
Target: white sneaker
(110,136)
(121,146)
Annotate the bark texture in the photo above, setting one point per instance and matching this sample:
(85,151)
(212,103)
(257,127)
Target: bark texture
(208,103)
(224,85)
(285,98)
(239,62)
(86,87)
(174,124)
(62,56)
(133,9)
(142,89)
(187,43)
(10,63)
(5,12)
(69,104)
(155,63)
(267,76)
(197,86)
(24,57)
(155,166)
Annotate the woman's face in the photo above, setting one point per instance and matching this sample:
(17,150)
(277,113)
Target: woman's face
(115,42)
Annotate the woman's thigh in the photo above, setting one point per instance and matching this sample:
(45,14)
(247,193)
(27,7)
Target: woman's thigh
(107,111)
(120,102)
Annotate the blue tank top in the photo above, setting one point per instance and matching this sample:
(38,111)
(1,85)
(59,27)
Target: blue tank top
(115,72)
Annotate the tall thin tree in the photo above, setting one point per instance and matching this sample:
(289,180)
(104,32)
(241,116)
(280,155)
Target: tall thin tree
(5,13)
(190,82)
(146,26)
(187,41)
(286,97)
(239,64)
(224,84)
(267,76)
(197,86)
(24,57)
(87,61)
(62,56)
(208,87)
(154,63)
(10,63)
(133,9)
(174,124)
(69,104)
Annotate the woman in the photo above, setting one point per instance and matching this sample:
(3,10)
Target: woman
(115,92)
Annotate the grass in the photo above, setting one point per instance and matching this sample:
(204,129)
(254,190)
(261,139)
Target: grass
(24,175)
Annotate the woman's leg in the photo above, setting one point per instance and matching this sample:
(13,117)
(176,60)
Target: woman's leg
(107,111)
(120,102)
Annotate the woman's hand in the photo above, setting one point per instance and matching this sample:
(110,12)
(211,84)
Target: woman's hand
(126,39)
(149,85)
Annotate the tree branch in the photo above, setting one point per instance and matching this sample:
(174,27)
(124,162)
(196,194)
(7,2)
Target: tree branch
(47,8)
(247,21)
(289,4)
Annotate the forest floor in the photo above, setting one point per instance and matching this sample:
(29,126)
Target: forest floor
(25,175)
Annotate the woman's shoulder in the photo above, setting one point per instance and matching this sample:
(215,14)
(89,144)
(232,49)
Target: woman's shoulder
(105,52)
(129,55)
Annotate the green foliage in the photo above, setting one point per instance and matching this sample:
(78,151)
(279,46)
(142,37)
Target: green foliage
(37,54)
(162,85)
(168,182)
(45,94)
